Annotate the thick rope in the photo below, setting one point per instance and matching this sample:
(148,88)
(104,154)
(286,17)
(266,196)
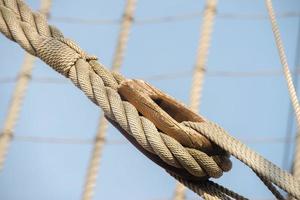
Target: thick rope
(289,80)
(19,93)
(118,57)
(199,70)
(100,86)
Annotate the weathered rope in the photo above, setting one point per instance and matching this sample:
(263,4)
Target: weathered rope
(19,92)
(118,57)
(289,80)
(100,86)
(209,14)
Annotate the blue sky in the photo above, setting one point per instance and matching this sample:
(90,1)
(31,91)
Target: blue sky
(248,107)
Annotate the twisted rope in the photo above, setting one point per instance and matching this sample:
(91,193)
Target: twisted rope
(289,80)
(202,54)
(20,88)
(103,123)
(209,190)
(262,167)
(199,70)
(100,86)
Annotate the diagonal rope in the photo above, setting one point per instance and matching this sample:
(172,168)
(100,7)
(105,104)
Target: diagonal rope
(199,72)
(268,172)
(290,120)
(103,123)
(291,88)
(19,93)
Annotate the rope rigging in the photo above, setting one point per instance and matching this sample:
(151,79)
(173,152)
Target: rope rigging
(191,157)
(19,95)
(170,19)
(199,71)
(290,120)
(289,80)
(103,123)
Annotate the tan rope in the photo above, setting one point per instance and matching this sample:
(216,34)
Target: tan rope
(209,190)
(202,54)
(289,80)
(18,96)
(199,70)
(266,170)
(100,86)
(103,123)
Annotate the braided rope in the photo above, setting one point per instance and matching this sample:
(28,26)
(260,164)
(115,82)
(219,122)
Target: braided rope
(289,80)
(21,87)
(93,169)
(98,84)
(199,70)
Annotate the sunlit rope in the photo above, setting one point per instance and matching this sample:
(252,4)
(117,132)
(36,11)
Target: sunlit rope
(198,73)
(62,60)
(18,95)
(291,88)
(290,120)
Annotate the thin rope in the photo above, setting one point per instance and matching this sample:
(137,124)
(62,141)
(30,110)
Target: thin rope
(93,170)
(83,141)
(18,96)
(290,120)
(199,72)
(170,19)
(291,87)
(168,76)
